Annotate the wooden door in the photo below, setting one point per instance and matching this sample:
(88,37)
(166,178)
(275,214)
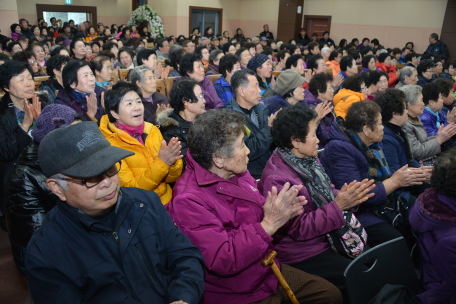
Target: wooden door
(317,24)
(289,21)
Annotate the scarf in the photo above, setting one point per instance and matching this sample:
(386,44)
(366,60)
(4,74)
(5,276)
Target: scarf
(134,132)
(80,95)
(378,166)
(312,174)
(103,84)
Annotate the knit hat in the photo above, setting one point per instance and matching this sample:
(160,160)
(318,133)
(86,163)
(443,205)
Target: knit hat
(66,42)
(257,61)
(52,117)
(288,80)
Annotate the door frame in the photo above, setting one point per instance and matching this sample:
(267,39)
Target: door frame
(220,10)
(40,8)
(317,17)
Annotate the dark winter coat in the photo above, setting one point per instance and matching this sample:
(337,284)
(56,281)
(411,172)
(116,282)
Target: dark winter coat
(140,258)
(344,163)
(28,200)
(173,125)
(50,86)
(12,141)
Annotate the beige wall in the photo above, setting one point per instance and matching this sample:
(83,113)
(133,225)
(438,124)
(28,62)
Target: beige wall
(250,15)
(8,16)
(108,11)
(393,22)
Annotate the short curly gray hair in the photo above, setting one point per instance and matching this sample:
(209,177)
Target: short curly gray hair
(137,74)
(412,92)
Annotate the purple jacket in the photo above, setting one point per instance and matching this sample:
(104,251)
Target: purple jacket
(366,69)
(212,69)
(303,237)
(210,95)
(222,218)
(429,121)
(433,218)
(325,123)
(344,163)
(80,104)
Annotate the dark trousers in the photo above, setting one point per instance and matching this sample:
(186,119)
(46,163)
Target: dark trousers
(380,233)
(307,289)
(328,265)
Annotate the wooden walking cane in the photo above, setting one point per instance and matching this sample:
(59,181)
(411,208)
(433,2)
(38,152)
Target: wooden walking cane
(270,261)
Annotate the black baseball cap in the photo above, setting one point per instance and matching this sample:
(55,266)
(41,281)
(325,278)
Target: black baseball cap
(78,150)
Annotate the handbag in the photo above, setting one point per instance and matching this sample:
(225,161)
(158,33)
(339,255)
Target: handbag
(395,211)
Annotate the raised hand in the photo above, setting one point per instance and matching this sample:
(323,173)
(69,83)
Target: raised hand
(170,153)
(308,75)
(164,73)
(445,133)
(272,117)
(451,116)
(92,106)
(337,81)
(35,106)
(354,194)
(102,99)
(406,176)
(28,116)
(280,208)
(161,108)
(323,109)
(273,82)
(279,66)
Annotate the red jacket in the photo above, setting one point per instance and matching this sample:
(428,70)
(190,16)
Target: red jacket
(391,71)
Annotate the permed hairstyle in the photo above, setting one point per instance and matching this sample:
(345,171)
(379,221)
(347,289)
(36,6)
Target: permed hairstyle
(292,122)
(391,101)
(214,133)
(182,91)
(363,113)
(443,176)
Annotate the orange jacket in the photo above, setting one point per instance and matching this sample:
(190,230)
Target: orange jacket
(90,37)
(344,99)
(335,66)
(391,71)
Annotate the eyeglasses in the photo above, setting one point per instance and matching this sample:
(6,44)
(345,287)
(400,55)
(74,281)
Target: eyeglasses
(95,180)
(364,88)
(201,96)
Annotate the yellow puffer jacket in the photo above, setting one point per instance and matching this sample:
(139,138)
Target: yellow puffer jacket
(144,169)
(344,99)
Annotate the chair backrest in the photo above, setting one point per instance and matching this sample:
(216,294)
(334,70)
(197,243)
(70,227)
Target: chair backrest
(205,69)
(161,86)
(388,263)
(214,78)
(56,93)
(329,71)
(169,84)
(2,92)
(399,66)
(44,70)
(150,45)
(115,76)
(39,80)
(276,74)
(123,74)
(360,67)
(162,62)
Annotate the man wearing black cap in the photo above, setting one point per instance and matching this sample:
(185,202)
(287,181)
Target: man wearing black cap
(67,31)
(103,243)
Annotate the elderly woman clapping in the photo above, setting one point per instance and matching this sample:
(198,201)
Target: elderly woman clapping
(354,153)
(155,164)
(153,101)
(422,146)
(217,205)
(303,243)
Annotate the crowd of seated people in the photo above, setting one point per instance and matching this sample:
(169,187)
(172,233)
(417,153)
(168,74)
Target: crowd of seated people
(137,167)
